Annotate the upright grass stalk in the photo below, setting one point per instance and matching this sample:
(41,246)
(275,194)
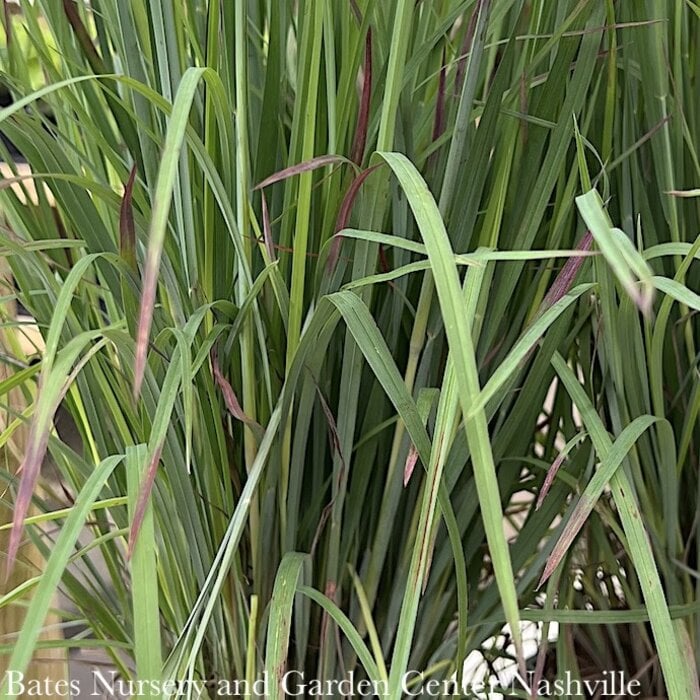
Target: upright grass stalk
(248,362)
(458,153)
(352,359)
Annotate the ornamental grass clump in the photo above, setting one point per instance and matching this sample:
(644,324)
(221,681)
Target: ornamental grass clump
(377,322)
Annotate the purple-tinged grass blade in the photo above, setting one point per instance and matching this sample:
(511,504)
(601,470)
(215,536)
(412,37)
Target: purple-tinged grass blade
(127,230)
(142,502)
(554,468)
(82,34)
(9,33)
(344,215)
(230,399)
(148,298)
(350,196)
(37,442)
(29,469)
(565,279)
(299,168)
(383,260)
(411,461)
(549,479)
(162,199)
(611,460)
(334,439)
(561,286)
(466,48)
(439,124)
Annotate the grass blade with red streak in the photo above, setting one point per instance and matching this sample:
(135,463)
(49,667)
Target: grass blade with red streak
(466,48)
(411,461)
(230,398)
(554,469)
(332,427)
(30,468)
(439,124)
(611,460)
(55,369)
(83,36)
(344,215)
(144,496)
(143,566)
(299,168)
(424,404)
(9,32)
(23,646)
(563,281)
(127,231)
(52,389)
(167,175)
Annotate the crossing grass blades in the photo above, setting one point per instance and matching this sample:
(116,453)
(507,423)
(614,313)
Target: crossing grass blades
(378,323)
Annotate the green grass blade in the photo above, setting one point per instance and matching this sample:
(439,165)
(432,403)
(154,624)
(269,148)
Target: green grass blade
(147,644)
(459,336)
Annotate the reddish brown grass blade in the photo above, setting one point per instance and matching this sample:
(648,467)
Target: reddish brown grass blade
(299,168)
(561,285)
(439,124)
(411,461)
(578,519)
(9,34)
(344,215)
(29,469)
(565,279)
(549,479)
(383,260)
(230,398)
(83,36)
(334,440)
(142,502)
(350,196)
(127,230)
(466,48)
(34,457)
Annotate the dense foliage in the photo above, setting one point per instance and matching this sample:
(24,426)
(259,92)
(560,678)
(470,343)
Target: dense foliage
(361,450)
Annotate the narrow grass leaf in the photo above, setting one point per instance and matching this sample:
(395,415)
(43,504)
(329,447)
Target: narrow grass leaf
(627,264)
(167,175)
(344,623)
(305,167)
(140,508)
(230,399)
(147,639)
(458,332)
(127,230)
(290,571)
(51,576)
